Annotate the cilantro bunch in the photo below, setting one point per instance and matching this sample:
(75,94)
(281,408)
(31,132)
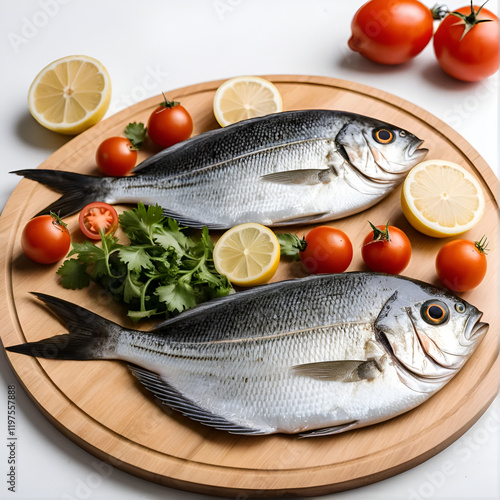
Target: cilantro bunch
(162,271)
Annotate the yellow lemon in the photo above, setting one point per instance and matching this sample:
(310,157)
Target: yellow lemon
(70,94)
(441,199)
(248,254)
(245,97)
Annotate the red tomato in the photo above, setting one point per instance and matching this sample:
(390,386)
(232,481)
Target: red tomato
(391,31)
(98,217)
(116,156)
(169,124)
(328,250)
(461,264)
(386,249)
(471,55)
(45,239)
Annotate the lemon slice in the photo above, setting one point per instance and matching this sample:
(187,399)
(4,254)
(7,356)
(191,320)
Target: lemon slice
(70,94)
(245,97)
(440,198)
(248,254)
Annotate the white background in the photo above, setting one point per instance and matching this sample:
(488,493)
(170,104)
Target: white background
(155,45)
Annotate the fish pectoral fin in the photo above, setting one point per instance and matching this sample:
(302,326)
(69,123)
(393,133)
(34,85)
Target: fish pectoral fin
(171,397)
(187,221)
(340,371)
(328,431)
(305,219)
(308,177)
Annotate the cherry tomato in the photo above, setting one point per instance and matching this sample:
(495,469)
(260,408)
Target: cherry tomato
(466,46)
(328,250)
(461,264)
(169,124)
(391,31)
(386,249)
(116,156)
(97,217)
(45,239)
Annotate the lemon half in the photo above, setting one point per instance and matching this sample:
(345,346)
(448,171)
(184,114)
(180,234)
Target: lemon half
(70,94)
(245,97)
(248,254)
(441,199)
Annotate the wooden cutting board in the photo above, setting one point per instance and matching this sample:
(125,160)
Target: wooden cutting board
(100,406)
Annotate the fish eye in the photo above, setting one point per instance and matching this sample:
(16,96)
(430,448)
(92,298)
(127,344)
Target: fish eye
(459,307)
(435,312)
(383,135)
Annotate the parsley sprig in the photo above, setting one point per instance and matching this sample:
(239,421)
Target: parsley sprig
(162,271)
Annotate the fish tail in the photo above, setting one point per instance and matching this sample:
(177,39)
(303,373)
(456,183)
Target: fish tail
(77,189)
(90,336)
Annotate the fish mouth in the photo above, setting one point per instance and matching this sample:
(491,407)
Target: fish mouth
(475,329)
(414,153)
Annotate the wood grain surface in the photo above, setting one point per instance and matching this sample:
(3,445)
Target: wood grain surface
(100,406)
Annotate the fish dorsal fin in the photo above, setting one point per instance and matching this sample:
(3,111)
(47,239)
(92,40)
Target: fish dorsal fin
(171,397)
(307,176)
(328,431)
(340,371)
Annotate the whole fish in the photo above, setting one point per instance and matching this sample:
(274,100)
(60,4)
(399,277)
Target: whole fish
(315,356)
(287,168)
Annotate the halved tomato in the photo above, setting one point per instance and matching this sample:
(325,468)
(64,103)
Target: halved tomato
(96,218)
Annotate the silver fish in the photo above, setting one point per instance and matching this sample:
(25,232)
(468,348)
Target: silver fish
(288,168)
(314,356)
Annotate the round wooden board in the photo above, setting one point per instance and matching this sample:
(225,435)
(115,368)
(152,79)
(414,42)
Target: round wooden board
(99,405)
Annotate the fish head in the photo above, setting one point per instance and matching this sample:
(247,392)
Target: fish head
(378,151)
(429,333)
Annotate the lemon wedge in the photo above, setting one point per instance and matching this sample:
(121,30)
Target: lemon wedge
(441,199)
(248,254)
(245,97)
(70,94)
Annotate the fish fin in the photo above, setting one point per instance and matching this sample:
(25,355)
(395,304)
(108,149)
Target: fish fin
(171,397)
(88,336)
(308,177)
(187,221)
(340,371)
(77,190)
(328,431)
(300,220)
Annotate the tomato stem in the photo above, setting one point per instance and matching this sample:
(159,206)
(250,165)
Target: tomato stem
(167,103)
(57,220)
(470,20)
(380,234)
(482,245)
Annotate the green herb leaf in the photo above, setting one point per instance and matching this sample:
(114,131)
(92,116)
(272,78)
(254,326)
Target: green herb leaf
(74,275)
(132,287)
(140,223)
(136,257)
(138,315)
(136,133)
(291,245)
(177,296)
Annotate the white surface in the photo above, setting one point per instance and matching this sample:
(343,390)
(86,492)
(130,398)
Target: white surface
(156,45)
